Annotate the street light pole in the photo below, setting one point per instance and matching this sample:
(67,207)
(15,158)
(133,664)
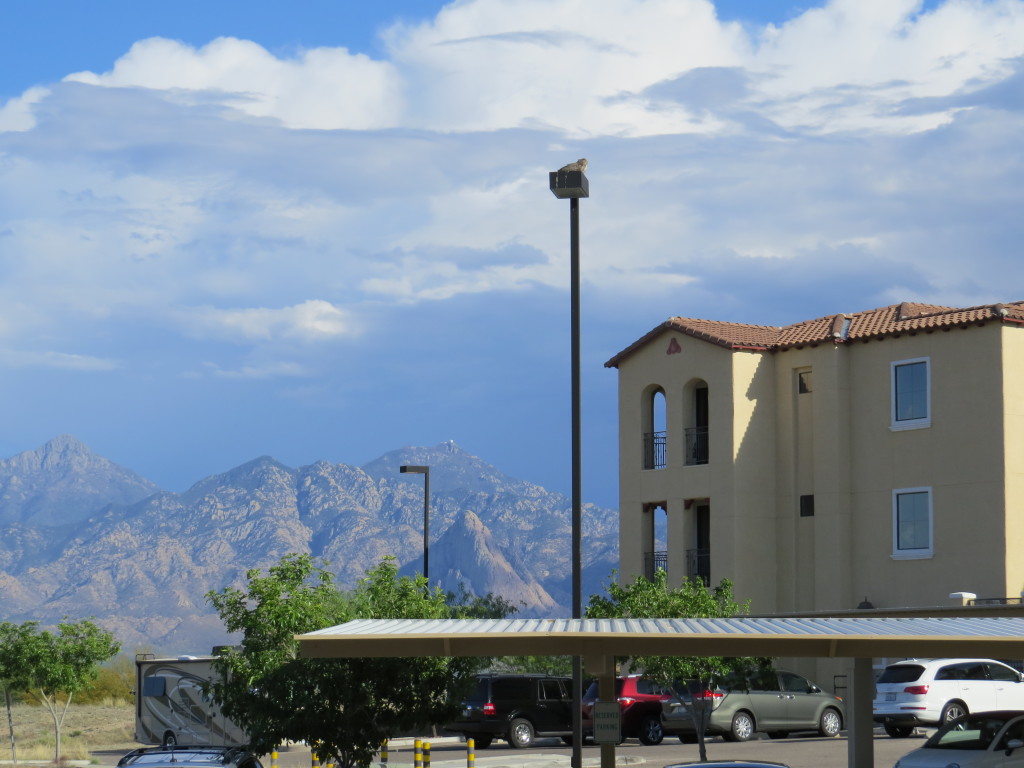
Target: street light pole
(571,182)
(425,471)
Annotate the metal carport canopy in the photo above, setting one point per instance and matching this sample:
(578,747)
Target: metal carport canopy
(999,637)
(598,640)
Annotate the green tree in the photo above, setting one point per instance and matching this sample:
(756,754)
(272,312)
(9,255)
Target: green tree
(465,605)
(654,599)
(343,708)
(60,665)
(14,668)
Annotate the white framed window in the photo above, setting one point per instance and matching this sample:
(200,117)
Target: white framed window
(911,394)
(912,523)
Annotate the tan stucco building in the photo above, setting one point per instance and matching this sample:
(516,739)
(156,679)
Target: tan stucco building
(875,457)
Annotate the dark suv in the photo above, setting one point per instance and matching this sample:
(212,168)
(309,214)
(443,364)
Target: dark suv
(516,708)
(640,704)
(190,757)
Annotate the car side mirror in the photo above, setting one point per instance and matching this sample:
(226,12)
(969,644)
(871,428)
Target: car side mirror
(814,689)
(1013,744)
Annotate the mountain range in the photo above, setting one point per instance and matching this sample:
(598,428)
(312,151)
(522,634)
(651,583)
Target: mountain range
(81,536)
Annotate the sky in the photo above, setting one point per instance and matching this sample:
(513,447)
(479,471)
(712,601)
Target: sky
(323,230)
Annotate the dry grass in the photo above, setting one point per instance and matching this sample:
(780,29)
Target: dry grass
(87,728)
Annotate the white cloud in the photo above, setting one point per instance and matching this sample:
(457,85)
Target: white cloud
(16,114)
(853,63)
(322,88)
(585,69)
(310,321)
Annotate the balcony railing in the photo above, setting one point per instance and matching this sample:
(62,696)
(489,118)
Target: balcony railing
(698,565)
(653,562)
(654,450)
(696,445)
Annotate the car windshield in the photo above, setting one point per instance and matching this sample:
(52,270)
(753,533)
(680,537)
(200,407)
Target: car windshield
(179,756)
(972,732)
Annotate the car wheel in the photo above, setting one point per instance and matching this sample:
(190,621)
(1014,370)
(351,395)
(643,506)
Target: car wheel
(952,711)
(651,732)
(742,727)
(688,738)
(898,731)
(830,723)
(170,740)
(520,733)
(778,734)
(481,741)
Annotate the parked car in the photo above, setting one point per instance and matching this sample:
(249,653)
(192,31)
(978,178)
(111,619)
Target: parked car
(981,740)
(516,708)
(934,691)
(778,703)
(190,757)
(640,704)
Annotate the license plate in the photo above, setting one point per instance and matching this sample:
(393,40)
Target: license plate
(890,697)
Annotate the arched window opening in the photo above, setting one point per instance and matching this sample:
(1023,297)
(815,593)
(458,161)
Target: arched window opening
(655,425)
(697,431)
(656,558)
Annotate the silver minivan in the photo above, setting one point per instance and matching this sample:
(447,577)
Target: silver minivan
(777,703)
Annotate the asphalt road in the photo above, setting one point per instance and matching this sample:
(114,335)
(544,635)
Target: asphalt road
(797,752)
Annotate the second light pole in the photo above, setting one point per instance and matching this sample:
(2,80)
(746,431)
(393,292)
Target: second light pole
(413,469)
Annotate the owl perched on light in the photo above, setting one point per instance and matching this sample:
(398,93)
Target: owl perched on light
(579,165)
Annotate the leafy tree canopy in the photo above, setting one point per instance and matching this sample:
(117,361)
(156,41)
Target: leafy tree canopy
(344,708)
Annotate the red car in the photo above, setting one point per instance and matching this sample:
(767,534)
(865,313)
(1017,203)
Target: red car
(640,703)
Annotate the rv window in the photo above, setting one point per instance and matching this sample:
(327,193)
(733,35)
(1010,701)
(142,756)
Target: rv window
(154,686)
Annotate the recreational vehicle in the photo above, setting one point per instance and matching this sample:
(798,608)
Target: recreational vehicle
(171,707)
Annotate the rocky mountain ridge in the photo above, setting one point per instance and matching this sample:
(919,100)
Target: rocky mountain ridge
(80,536)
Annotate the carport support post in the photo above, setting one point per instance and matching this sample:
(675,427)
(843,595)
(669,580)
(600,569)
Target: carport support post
(861,728)
(603,668)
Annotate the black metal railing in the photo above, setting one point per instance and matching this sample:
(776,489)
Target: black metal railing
(653,562)
(696,445)
(698,565)
(654,450)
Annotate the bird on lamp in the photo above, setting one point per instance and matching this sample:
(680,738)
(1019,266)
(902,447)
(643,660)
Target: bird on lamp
(580,165)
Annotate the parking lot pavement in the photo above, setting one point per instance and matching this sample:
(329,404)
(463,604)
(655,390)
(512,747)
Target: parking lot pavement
(447,752)
(451,753)
(796,752)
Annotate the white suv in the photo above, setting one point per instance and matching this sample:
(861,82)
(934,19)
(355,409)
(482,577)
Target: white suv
(933,691)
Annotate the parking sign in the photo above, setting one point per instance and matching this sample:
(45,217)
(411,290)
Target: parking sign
(607,722)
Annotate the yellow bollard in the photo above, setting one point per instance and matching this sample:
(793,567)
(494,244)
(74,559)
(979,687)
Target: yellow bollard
(426,755)
(470,753)
(273,758)
(316,760)
(417,754)
(384,752)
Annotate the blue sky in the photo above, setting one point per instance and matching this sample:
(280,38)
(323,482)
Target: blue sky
(230,229)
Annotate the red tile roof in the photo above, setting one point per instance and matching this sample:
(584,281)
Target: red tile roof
(835,329)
